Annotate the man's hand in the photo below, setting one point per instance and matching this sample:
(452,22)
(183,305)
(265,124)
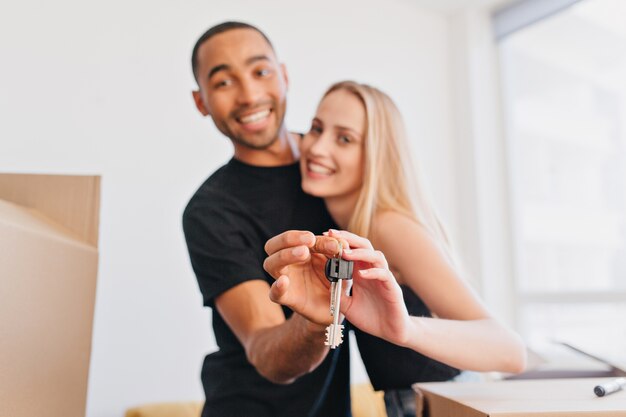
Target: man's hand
(297,260)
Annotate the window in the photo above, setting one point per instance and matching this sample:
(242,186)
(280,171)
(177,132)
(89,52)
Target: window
(564,89)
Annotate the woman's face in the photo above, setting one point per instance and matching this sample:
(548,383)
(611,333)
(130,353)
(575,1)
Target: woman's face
(332,152)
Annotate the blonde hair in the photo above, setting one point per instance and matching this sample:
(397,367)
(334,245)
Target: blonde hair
(390,182)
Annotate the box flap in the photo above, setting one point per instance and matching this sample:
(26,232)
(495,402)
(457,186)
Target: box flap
(71,200)
(30,220)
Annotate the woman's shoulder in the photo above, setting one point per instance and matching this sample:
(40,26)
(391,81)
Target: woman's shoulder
(400,237)
(390,228)
(390,223)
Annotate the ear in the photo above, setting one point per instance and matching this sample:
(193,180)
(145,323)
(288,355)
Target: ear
(197,98)
(285,75)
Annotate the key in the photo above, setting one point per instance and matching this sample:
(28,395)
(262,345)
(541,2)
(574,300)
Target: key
(337,270)
(333,286)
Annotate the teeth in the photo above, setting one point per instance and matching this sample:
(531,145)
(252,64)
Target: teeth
(255,117)
(319,169)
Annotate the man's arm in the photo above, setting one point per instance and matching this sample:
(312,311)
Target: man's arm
(281,350)
(225,265)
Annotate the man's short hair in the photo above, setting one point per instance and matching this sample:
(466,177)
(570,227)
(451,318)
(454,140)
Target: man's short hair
(216,30)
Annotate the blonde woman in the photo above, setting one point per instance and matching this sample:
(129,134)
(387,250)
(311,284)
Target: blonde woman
(356,158)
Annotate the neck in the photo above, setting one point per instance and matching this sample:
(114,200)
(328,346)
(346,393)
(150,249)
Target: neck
(281,152)
(341,208)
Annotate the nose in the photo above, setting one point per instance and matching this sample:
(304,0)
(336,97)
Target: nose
(320,146)
(249,92)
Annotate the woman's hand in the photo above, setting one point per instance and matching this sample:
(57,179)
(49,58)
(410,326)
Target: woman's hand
(376,305)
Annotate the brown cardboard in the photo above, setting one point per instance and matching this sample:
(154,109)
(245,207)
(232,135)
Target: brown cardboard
(48,269)
(70,200)
(536,398)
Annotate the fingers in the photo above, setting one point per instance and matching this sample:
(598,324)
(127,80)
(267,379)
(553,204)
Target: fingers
(277,261)
(279,290)
(374,257)
(288,239)
(384,277)
(353,240)
(328,246)
(378,274)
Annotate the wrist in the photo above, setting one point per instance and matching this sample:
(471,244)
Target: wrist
(313,327)
(414,332)
(314,333)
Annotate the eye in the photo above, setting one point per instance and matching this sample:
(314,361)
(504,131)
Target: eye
(344,139)
(263,72)
(222,83)
(315,129)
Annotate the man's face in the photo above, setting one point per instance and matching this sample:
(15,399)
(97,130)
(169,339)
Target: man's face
(242,87)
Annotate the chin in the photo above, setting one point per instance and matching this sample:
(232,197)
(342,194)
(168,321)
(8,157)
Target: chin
(312,190)
(261,141)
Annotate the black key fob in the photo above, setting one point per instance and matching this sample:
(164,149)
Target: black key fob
(337,268)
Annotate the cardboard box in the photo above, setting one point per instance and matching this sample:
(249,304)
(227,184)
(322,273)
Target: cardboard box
(48,269)
(536,398)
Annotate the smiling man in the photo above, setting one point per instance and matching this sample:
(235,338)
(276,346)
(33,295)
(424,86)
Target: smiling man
(271,362)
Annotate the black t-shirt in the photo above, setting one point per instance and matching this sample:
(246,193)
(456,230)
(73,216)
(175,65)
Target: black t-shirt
(390,366)
(226,224)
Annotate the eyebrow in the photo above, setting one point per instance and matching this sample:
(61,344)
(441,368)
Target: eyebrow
(218,68)
(256,58)
(349,129)
(338,127)
(249,61)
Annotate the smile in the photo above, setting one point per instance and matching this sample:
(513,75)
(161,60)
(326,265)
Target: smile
(254,117)
(319,169)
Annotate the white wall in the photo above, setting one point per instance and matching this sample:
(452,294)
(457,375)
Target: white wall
(482,194)
(104,88)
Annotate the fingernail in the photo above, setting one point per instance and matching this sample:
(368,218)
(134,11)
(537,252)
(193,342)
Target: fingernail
(334,231)
(299,251)
(364,271)
(306,238)
(347,251)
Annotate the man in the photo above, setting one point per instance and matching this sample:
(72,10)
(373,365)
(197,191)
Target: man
(271,362)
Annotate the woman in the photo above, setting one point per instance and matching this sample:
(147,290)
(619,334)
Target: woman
(356,158)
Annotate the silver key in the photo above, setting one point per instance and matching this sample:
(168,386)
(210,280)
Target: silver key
(334,332)
(332,297)
(337,270)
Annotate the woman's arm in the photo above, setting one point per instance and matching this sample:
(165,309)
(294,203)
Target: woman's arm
(464,334)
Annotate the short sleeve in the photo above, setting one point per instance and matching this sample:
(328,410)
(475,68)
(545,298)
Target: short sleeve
(224,248)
